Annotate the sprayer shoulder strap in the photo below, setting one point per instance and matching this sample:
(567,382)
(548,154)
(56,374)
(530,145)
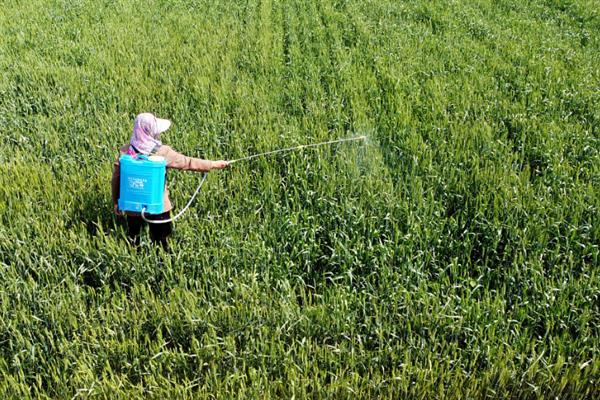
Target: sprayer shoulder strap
(155,148)
(152,152)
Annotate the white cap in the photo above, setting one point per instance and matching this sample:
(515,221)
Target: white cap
(162,125)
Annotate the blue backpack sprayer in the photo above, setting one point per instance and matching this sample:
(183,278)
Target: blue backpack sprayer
(142,180)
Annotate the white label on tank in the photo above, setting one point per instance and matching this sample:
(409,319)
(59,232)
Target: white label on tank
(137,183)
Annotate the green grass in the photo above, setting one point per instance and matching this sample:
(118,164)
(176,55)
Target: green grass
(453,256)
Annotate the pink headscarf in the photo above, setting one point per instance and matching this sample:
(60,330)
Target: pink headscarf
(146,131)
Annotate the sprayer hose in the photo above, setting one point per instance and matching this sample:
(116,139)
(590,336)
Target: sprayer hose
(181,212)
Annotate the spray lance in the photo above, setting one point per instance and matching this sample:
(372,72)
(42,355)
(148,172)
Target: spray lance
(135,198)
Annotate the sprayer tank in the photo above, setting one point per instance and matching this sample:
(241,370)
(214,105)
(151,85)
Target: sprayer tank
(142,182)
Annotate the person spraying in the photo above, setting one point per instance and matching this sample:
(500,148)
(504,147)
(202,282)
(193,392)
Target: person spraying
(145,141)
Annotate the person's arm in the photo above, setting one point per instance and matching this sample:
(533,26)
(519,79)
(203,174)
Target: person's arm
(115,185)
(179,161)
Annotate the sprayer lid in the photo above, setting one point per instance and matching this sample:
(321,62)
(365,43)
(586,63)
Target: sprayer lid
(156,158)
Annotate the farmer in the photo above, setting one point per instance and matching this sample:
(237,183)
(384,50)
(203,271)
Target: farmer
(145,140)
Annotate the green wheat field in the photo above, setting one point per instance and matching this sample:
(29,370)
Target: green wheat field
(454,254)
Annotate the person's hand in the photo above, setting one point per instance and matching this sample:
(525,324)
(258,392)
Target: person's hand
(117,211)
(220,164)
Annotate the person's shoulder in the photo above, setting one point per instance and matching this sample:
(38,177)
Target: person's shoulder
(122,150)
(164,150)
(174,159)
